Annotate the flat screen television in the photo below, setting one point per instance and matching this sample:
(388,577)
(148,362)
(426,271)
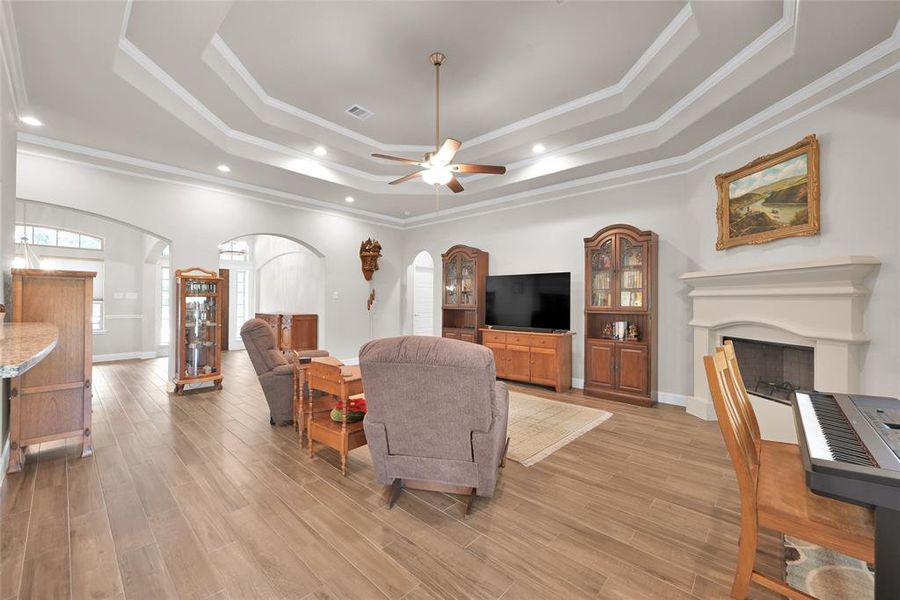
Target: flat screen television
(536,301)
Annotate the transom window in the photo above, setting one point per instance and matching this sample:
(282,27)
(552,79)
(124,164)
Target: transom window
(38,235)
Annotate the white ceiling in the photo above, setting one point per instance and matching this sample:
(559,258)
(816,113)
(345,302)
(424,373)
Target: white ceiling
(611,89)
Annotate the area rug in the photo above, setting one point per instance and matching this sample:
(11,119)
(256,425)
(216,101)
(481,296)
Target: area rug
(825,574)
(539,427)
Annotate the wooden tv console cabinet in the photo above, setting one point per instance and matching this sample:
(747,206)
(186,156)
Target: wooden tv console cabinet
(531,357)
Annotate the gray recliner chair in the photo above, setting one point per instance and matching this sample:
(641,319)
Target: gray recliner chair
(437,416)
(275,372)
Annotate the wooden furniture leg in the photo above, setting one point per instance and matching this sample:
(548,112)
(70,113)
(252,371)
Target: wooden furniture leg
(396,488)
(16,458)
(503,458)
(87,444)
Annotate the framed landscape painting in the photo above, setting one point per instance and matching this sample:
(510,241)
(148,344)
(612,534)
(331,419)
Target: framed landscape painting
(775,196)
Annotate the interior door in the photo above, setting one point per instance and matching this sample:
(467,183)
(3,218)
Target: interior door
(226,313)
(423,300)
(543,366)
(600,362)
(632,368)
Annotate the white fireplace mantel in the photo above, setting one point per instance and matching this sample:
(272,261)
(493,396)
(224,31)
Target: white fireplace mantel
(819,303)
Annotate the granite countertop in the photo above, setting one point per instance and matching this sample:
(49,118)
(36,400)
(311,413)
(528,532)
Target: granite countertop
(23,345)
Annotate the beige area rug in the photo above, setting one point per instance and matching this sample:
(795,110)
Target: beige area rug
(539,427)
(826,574)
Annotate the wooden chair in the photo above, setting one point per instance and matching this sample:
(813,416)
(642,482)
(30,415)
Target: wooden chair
(772,485)
(339,382)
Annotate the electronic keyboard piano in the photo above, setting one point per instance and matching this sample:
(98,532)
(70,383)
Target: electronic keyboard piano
(850,446)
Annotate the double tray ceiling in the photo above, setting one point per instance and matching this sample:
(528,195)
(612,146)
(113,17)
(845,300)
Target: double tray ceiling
(610,89)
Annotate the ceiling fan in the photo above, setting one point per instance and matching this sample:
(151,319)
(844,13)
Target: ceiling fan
(436,168)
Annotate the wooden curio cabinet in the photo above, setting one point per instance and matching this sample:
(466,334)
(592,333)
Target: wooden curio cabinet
(464,274)
(198,346)
(620,314)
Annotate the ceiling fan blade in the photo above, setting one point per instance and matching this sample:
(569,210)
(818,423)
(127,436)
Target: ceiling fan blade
(466,168)
(454,185)
(409,177)
(446,152)
(407,161)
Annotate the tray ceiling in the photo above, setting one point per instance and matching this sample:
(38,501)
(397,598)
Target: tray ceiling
(610,89)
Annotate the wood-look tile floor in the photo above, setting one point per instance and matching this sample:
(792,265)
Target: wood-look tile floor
(198,497)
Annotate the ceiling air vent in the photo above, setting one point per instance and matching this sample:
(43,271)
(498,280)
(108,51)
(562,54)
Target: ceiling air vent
(359,112)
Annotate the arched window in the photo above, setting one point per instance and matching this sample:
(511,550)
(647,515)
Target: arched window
(38,235)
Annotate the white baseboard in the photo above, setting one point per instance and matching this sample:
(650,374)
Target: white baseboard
(4,461)
(578,383)
(671,398)
(99,358)
(702,408)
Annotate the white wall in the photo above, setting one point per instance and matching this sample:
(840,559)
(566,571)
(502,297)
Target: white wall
(197,219)
(129,283)
(860,183)
(289,276)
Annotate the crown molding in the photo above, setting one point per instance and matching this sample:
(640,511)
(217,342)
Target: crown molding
(250,146)
(228,57)
(12,60)
(669,167)
(689,161)
(158,172)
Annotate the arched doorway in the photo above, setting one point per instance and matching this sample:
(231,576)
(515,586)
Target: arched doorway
(270,274)
(423,294)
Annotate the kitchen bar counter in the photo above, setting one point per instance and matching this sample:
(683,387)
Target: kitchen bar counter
(23,345)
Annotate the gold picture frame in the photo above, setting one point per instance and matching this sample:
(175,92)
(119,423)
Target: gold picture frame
(773,197)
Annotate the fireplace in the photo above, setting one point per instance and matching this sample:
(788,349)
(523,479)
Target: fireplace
(773,370)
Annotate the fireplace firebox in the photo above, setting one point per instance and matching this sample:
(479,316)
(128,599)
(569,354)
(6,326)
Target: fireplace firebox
(772,370)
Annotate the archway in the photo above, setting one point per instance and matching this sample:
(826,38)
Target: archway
(422,285)
(271,274)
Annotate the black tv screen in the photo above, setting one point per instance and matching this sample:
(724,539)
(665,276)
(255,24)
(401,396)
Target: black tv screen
(537,301)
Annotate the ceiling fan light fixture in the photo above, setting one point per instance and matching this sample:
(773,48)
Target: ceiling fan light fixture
(437,175)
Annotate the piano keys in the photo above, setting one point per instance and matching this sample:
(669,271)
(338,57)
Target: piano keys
(850,445)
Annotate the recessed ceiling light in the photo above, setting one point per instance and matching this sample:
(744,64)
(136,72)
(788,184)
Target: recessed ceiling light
(349,199)
(320,151)
(406,213)
(224,168)
(32,121)
(538,148)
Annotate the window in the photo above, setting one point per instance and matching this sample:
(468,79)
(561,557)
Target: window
(38,235)
(164,288)
(241,300)
(97,315)
(235,250)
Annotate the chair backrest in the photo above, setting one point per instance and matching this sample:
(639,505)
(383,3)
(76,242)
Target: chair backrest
(259,340)
(736,430)
(430,393)
(743,398)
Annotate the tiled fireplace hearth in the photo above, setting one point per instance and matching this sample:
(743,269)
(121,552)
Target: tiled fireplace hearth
(817,306)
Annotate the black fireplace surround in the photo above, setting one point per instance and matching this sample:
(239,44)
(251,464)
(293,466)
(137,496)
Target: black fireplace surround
(772,370)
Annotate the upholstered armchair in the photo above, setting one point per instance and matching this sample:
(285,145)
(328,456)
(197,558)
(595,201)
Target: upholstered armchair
(436,416)
(276,373)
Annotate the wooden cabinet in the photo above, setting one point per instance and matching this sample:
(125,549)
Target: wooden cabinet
(293,331)
(462,308)
(198,344)
(539,358)
(52,400)
(621,314)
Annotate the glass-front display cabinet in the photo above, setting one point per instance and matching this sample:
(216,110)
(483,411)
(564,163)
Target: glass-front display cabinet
(198,344)
(620,309)
(465,270)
